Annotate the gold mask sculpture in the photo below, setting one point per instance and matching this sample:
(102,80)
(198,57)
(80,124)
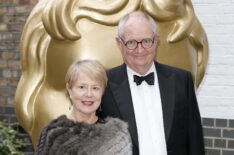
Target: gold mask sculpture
(59,32)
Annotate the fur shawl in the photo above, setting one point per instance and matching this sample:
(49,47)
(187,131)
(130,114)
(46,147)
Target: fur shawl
(65,137)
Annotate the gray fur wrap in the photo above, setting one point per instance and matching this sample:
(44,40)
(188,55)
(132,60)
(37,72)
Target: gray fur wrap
(64,137)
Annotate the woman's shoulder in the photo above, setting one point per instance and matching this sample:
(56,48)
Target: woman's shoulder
(115,136)
(59,122)
(116,122)
(50,132)
(113,126)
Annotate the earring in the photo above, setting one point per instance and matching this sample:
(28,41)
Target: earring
(70,106)
(99,110)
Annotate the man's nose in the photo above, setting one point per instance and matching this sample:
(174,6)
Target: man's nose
(139,48)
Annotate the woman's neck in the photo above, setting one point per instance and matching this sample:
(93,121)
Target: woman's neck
(89,119)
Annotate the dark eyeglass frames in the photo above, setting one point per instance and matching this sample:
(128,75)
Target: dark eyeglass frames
(133,44)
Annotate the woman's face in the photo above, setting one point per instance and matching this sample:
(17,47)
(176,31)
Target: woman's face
(85,96)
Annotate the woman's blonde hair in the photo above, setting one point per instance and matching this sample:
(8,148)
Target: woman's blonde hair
(92,68)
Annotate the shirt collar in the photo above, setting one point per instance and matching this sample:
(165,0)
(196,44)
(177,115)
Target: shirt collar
(131,72)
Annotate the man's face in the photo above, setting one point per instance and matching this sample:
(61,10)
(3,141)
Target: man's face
(139,59)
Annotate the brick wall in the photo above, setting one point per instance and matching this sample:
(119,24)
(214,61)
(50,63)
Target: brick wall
(13,14)
(216,91)
(219,136)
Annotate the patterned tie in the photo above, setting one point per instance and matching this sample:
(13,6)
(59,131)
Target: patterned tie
(148,78)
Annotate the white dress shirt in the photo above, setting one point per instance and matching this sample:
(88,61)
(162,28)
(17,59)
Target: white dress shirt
(148,114)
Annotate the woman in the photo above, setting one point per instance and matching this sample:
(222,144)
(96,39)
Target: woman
(82,132)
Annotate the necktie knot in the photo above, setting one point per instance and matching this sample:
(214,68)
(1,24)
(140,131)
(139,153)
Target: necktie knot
(148,78)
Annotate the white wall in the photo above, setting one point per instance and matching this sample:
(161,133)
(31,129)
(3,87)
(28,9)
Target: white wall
(216,93)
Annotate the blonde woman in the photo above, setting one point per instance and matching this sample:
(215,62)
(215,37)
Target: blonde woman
(82,131)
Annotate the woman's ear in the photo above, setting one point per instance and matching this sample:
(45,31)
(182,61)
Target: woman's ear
(68,89)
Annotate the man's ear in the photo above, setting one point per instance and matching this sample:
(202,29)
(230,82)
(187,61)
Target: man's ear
(118,41)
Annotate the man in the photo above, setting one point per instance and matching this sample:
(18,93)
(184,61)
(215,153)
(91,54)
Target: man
(156,100)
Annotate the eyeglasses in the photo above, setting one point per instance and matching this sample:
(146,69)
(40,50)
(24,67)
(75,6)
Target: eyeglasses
(133,44)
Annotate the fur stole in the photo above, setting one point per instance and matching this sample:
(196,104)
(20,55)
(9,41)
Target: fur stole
(65,137)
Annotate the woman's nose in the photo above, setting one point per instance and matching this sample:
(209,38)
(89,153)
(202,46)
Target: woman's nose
(89,92)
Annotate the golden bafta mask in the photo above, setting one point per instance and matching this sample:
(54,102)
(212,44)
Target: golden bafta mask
(59,32)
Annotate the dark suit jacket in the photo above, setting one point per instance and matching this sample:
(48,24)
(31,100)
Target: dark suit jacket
(182,122)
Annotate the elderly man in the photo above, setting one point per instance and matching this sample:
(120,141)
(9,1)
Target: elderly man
(157,101)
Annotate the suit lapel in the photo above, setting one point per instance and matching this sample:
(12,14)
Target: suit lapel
(121,92)
(167,90)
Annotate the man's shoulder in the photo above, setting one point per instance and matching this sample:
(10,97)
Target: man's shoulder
(117,71)
(167,69)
